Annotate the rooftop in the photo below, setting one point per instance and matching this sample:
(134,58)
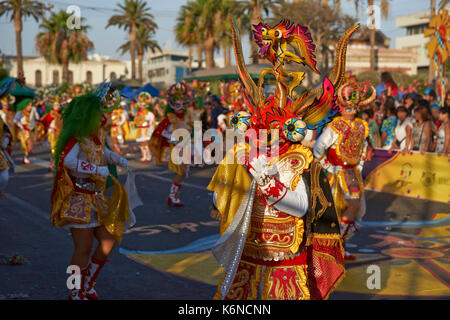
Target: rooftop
(413,19)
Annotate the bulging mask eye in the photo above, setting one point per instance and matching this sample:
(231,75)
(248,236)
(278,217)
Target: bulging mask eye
(240,121)
(278,34)
(294,129)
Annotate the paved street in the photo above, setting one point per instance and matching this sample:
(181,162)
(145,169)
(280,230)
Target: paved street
(167,256)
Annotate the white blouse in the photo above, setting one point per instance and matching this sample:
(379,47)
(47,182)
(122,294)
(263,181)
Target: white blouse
(400,131)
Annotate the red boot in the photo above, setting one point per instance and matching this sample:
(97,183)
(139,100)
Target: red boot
(347,229)
(94,268)
(143,158)
(173,196)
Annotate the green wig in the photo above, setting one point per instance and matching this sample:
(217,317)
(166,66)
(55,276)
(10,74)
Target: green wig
(81,118)
(23,104)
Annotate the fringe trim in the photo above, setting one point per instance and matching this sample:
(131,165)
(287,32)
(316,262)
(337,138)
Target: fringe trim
(261,253)
(336,284)
(325,239)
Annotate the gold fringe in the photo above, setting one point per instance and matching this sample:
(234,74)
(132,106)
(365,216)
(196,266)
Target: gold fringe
(263,252)
(336,284)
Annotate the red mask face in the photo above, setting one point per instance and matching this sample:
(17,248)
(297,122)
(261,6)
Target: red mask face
(287,125)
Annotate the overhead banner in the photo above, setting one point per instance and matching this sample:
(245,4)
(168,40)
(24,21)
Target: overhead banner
(415,175)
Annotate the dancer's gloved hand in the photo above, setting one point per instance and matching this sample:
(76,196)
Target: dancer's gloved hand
(261,171)
(114,158)
(5,143)
(123,162)
(103,171)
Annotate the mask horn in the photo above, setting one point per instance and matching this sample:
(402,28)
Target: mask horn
(252,89)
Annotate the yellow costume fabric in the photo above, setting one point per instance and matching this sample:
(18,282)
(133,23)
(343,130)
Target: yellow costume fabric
(4,162)
(69,205)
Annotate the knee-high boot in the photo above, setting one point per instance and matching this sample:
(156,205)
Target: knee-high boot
(94,268)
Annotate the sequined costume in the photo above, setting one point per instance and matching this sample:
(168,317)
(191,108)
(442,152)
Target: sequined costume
(52,121)
(145,123)
(119,127)
(79,198)
(7,115)
(25,119)
(280,236)
(342,149)
(6,162)
(7,165)
(162,144)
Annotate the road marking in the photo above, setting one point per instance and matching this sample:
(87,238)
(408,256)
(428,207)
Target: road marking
(46,164)
(185,184)
(61,232)
(43,214)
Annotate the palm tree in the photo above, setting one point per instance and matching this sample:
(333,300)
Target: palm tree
(19,9)
(131,14)
(237,10)
(58,44)
(204,23)
(144,42)
(185,32)
(208,20)
(204,20)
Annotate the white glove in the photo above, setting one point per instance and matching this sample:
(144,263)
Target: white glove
(123,162)
(5,143)
(103,171)
(261,171)
(114,158)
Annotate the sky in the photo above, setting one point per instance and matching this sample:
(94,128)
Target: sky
(97,12)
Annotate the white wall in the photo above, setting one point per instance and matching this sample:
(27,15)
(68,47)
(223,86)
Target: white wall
(99,69)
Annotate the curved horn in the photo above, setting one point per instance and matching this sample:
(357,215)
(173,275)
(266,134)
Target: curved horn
(249,84)
(337,74)
(371,97)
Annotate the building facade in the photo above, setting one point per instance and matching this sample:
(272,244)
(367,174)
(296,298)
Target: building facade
(386,59)
(414,25)
(162,69)
(39,73)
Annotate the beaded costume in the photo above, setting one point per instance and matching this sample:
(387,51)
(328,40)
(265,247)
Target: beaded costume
(52,121)
(79,197)
(25,119)
(342,149)
(161,142)
(7,165)
(280,236)
(145,123)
